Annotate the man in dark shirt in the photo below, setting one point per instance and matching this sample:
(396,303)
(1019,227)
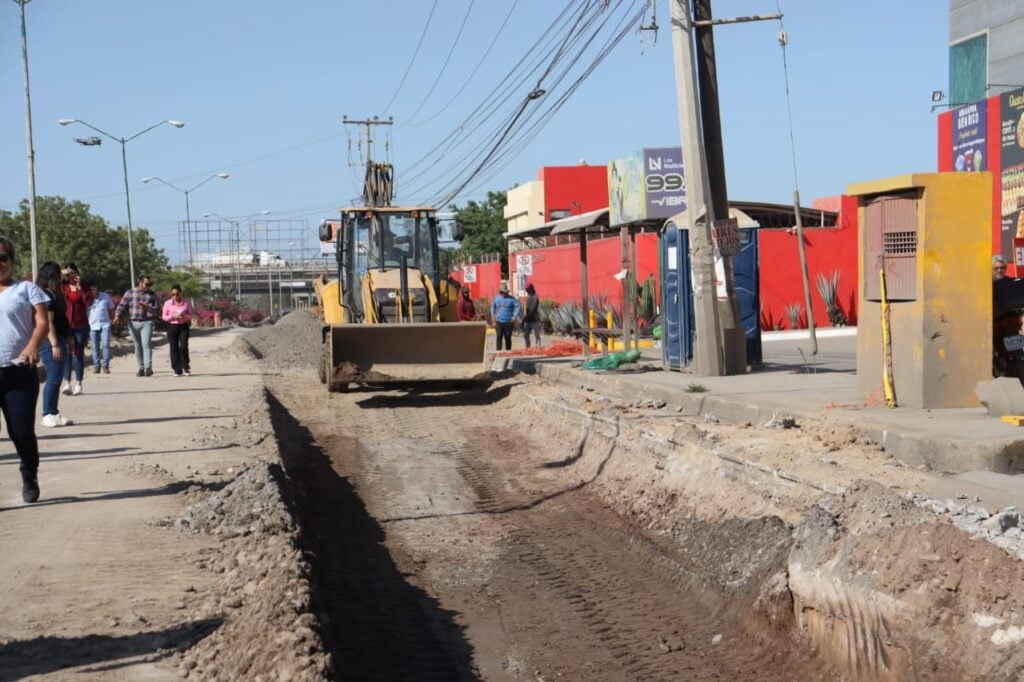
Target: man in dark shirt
(531,316)
(142,306)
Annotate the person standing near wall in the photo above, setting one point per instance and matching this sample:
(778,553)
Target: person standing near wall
(24,325)
(505,310)
(99,327)
(177,313)
(531,315)
(141,305)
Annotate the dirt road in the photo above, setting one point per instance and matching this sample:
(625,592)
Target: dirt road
(244,524)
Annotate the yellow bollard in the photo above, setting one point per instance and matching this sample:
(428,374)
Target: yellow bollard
(592,323)
(609,322)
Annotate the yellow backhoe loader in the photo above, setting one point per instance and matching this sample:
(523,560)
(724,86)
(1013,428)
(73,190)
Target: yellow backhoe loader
(389,315)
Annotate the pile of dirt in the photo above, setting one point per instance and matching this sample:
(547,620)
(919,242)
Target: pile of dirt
(269,629)
(292,343)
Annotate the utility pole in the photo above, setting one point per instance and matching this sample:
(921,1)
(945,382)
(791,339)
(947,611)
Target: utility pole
(33,240)
(733,333)
(368,123)
(707,351)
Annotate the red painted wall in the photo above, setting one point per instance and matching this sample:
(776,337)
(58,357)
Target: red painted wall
(828,250)
(563,185)
(488,278)
(556,269)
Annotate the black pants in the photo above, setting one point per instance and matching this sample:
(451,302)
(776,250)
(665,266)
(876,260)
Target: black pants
(503,332)
(19,390)
(177,340)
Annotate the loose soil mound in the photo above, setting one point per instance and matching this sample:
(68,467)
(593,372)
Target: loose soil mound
(292,343)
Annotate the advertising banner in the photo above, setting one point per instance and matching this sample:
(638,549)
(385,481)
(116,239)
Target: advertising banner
(664,188)
(625,190)
(1011,143)
(969,126)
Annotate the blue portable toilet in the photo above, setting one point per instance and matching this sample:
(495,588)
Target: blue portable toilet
(678,326)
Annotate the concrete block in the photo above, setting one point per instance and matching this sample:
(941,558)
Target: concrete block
(1001,396)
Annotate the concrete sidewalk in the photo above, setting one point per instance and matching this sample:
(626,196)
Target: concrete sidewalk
(816,391)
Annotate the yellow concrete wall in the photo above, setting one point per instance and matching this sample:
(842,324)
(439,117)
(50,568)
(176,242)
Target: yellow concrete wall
(941,342)
(524,209)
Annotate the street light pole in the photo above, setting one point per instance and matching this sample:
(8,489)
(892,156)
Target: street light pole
(33,241)
(123,141)
(188,210)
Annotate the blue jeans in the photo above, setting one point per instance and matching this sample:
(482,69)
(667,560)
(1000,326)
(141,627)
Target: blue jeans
(101,346)
(51,388)
(76,357)
(19,389)
(142,337)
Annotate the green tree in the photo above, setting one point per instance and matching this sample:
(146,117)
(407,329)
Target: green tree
(69,233)
(484,225)
(187,278)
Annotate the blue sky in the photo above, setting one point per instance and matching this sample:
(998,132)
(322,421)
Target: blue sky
(263,86)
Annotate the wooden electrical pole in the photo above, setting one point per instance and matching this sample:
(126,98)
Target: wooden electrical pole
(368,123)
(733,333)
(708,358)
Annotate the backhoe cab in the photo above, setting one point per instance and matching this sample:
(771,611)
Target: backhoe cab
(389,315)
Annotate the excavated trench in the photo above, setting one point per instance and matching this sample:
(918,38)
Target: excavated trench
(535,531)
(450,543)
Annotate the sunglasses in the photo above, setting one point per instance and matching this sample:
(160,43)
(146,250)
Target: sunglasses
(5,258)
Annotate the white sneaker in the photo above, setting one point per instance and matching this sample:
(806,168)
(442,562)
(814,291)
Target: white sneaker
(52,420)
(77,390)
(66,389)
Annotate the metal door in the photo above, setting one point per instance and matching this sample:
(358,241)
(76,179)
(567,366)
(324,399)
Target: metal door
(671,332)
(748,292)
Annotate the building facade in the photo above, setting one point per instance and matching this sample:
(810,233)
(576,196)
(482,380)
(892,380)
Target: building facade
(986,48)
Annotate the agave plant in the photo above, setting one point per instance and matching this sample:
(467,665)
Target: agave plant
(793,312)
(828,289)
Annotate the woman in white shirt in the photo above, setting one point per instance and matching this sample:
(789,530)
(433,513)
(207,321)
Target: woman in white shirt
(24,324)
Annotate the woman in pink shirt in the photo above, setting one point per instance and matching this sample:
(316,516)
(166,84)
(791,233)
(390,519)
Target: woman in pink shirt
(178,316)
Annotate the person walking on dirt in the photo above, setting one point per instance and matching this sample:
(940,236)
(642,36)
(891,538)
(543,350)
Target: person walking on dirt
(141,305)
(78,300)
(55,346)
(505,310)
(465,309)
(531,315)
(24,324)
(99,327)
(177,313)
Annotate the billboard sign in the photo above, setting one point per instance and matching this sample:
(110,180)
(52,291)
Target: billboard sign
(1011,148)
(625,190)
(969,127)
(664,187)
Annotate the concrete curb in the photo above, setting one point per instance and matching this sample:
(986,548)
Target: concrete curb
(913,447)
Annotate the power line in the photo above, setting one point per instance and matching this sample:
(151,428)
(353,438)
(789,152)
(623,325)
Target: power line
(412,60)
(444,66)
(469,78)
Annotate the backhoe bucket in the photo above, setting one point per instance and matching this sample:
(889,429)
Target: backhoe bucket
(406,353)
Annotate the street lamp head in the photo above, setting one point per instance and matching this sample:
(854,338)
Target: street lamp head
(176,123)
(207,215)
(223,175)
(67,121)
(147,179)
(264,212)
